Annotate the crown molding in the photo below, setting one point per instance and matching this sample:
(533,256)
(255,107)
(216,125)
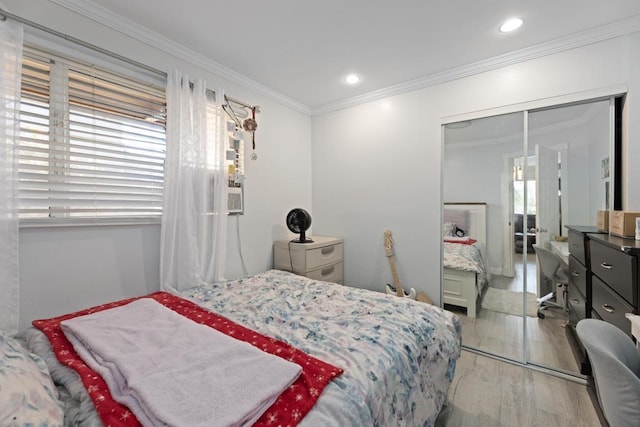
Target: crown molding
(96,12)
(584,38)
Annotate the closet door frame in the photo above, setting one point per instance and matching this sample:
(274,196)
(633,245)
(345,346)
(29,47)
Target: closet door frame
(611,93)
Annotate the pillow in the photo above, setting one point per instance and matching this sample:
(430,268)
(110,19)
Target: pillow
(449,229)
(28,394)
(458,216)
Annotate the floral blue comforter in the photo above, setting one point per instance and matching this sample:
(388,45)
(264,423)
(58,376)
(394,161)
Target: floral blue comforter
(398,355)
(468,258)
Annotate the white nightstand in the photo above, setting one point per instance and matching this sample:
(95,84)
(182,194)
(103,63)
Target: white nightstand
(320,260)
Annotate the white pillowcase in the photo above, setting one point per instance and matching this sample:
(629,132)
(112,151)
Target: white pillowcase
(449,229)
(28,396)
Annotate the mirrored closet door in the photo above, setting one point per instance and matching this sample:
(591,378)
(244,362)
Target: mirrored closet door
(479,160)
(511,183)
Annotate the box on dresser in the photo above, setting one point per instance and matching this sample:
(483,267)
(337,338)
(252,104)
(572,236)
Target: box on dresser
(602,220)
(623,223)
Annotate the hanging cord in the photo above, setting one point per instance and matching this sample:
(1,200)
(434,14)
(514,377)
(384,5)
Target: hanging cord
(244,267)
(252,125)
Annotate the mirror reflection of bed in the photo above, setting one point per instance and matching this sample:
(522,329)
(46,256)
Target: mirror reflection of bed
(490,306)
(465,275)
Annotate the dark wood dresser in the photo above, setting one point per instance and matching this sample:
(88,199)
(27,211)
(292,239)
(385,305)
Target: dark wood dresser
(606,268)
(579,300)
(614,267)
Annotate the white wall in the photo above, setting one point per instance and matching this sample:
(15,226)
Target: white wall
(475,174)
(596,133)
(378,165)
(64,269)
(578,186)
(474,171)
(371,167)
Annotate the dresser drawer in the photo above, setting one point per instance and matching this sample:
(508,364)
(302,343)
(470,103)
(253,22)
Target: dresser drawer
(609,306)
(319,257)
(615,268)
(577,305)
(576,246)
(577,275)
(329,273)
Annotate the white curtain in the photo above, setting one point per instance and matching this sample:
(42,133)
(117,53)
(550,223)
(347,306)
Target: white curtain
(194,216)
(10,70)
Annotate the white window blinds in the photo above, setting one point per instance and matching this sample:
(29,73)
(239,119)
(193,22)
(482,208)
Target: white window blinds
(92,143)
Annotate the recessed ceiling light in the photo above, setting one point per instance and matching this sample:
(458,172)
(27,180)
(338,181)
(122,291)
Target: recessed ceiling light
(352,79)
(510,25)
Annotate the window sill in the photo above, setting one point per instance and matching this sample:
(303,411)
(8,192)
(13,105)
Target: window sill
(93,222)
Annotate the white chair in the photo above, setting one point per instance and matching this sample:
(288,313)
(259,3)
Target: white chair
(553,274)
(615,364)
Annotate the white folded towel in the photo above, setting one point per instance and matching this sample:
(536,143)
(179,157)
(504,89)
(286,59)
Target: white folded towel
(170,370)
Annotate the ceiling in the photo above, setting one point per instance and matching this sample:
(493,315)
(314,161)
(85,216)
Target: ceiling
(302,50)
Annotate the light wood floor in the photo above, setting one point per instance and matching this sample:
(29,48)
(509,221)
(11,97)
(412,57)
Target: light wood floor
(489,392)
(502,334)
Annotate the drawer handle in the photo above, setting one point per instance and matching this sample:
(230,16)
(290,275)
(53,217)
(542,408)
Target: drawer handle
(328,270)
(575,301)
(575,274)
(608,308)
(328,250)
(605,265)
(575,245)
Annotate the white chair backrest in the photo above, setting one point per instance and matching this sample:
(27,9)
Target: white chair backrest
(616,365)
(548,261)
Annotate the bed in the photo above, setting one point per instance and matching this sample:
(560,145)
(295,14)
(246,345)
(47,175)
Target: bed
(396,356)
(465,271)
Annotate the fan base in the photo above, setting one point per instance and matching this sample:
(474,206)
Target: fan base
(302,241)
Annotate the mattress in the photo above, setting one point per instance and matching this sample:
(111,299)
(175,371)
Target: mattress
(398,355)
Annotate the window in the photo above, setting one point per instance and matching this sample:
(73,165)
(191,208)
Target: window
(92,143)
(518,197)
(519,183)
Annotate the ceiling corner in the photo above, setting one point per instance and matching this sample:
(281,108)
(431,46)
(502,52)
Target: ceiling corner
(97,13)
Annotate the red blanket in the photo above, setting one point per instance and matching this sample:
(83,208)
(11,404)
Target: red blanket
(461,241)
(292,405)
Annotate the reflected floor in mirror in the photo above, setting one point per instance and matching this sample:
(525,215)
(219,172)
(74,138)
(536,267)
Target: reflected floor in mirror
(488,392)
(496,329)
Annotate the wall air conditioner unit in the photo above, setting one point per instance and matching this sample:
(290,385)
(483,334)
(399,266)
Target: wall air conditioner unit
(235,202)
(235,197)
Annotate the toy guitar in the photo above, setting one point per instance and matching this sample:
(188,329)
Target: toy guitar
(396,289)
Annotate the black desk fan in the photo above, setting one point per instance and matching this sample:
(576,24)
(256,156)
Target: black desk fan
(299,221)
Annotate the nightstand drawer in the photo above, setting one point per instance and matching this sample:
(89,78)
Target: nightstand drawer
(318,259)
(329,273)
(325,255)
(609,306)
(613,267)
